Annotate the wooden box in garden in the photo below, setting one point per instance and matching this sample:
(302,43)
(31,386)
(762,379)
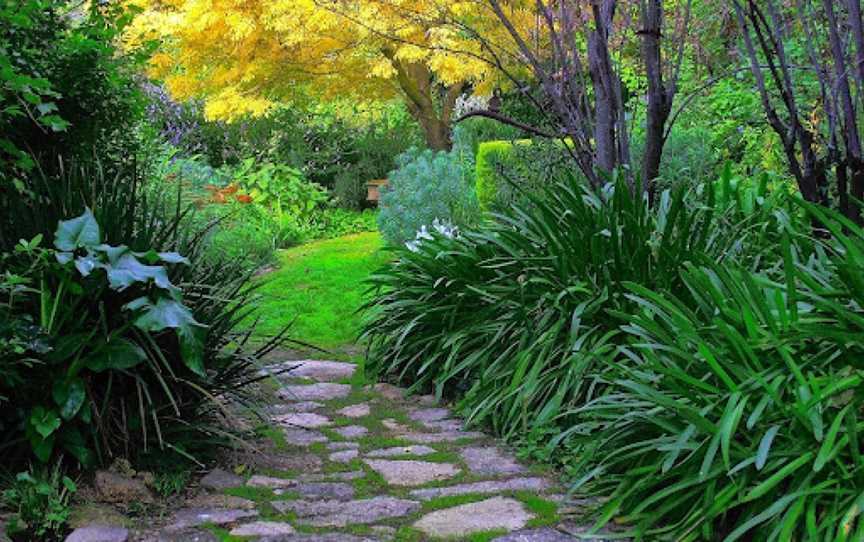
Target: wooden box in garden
(373,190)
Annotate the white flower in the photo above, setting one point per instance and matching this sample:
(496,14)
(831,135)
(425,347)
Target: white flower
(445,228)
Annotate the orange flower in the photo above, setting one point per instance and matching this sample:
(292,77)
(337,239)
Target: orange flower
(231,189)
(243,198)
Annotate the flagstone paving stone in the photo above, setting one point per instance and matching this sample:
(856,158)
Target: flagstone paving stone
(401,450)
(352,431)
(355,411)
(482,488)
(324,391)
(306,420)
(489,460)
(340,514)
(489,515)
(322,371)
(411,472)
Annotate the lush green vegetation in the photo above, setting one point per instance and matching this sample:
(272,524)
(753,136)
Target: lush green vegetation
(633,246)
(318,288)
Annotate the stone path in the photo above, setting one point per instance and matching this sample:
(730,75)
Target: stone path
(344,464)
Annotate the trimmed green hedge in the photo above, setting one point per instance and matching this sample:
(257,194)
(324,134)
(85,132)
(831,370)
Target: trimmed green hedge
(490,156)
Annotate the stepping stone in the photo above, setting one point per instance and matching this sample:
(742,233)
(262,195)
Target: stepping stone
(329,476)
(98,533)
(537,535)
(489,515)
(325,490)
(321,537)
(322,371)
(195,517)
(411,473)
(304,438)
(220,501)
(345,456)
(492,486)
(341,514)
(426,400)
(263,528)
(302,406)
(395,426)
(343,446)
(429,414)
(401,450)
(306,420)
(324,391)
(489,460)
(268,457)
(389,392)
(447,436)
(219,480)
(351,431)
(444,425)
(355,411)
(186,536)
(270,481)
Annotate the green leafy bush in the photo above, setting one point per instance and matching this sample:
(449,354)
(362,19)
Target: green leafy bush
(508,171)
(349,187)
(426,186)
(104,357)
(40,504)
(66,86)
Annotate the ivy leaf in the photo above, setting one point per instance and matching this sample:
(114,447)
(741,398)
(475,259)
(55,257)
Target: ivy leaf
(117,354)
(82,231)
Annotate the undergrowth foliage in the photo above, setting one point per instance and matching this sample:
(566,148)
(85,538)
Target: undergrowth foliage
(123,339)
(694,362)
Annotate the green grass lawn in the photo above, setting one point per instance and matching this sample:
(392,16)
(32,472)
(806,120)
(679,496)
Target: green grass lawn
(320,285)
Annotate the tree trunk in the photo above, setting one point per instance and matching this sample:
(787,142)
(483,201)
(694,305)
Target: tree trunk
(659,100)
(418,89)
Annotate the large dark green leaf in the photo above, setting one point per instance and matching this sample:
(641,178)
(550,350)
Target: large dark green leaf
(170,314)
(82,231)
(116,354)
(128,270)
(69,396)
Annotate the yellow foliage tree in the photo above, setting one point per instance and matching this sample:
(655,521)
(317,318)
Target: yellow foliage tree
(245,56)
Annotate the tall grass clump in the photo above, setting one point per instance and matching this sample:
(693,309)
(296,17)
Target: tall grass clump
(732,411)
(515,318)
(694,363)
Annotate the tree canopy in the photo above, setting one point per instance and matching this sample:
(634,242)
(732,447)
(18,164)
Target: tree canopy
(244,57)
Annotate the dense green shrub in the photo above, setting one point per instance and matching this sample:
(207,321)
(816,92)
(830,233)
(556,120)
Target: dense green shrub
(426,186)
(66,85)
(349,188)
(509,171)
(491,157)
(85,368)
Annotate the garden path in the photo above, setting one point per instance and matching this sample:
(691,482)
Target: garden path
(349,464)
